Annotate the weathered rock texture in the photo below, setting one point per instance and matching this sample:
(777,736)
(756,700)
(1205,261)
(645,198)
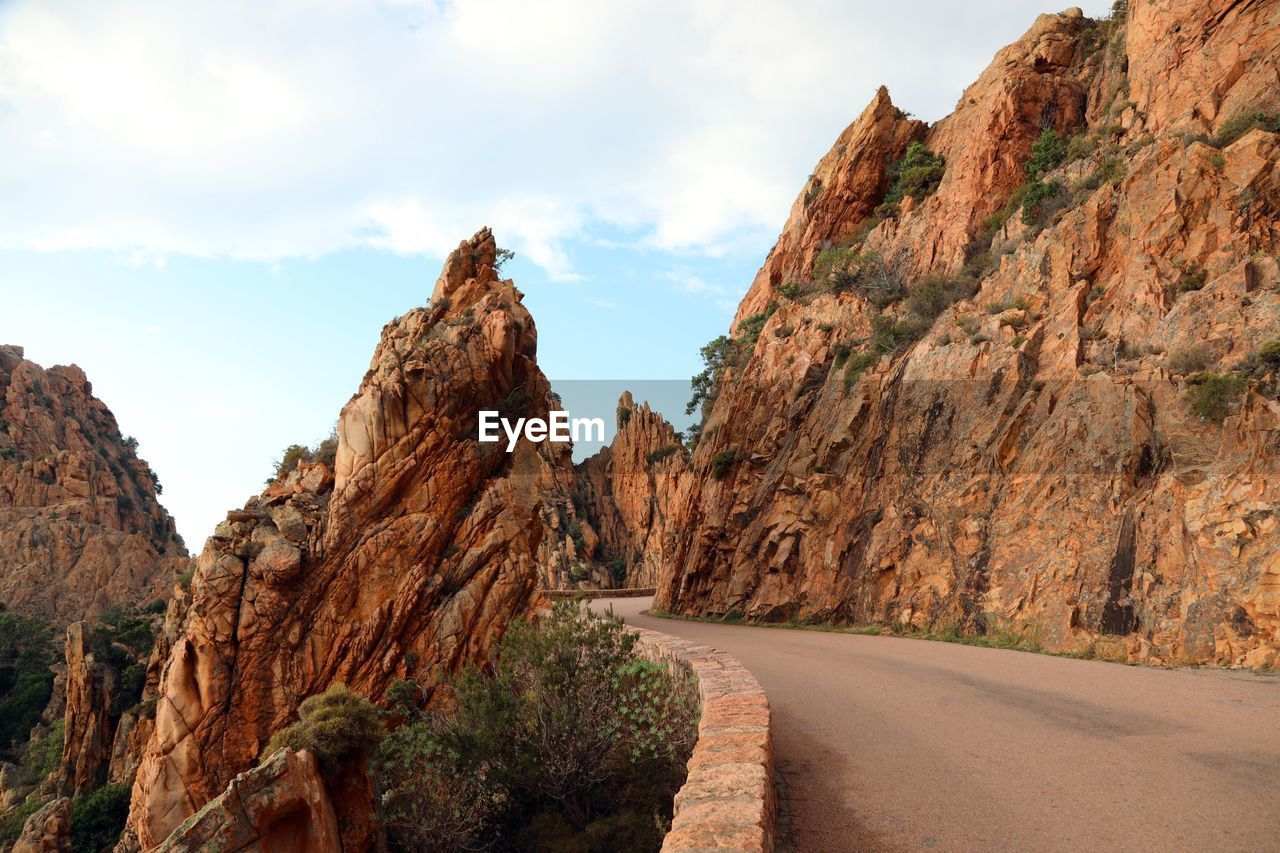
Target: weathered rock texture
(624,489)
(281,805)
(48,830)
(1028,462)
(409,559)
(86,749)
(80,527)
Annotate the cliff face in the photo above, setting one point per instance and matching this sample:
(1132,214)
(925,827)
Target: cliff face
(81,530)
(625,489)
(407,560)
(981,418)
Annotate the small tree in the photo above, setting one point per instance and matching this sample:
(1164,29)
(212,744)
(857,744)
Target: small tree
(1047,153)
(718,356)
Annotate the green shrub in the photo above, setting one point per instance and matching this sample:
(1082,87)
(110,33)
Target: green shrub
(618,571)
(44,754)
(11,824)
(26,681)
(129,692)
(1237,126)
(326,451)
(750,327)
(624,416)
(663,452)
(812,190)
(1262,361)
(501,256)
(888,335)
(1268,355)
(917,174)
(570,742)
(788,290)
(1109,171)
(119,638)
(335,725)
(930,296)
(516,404)
(1047,153)
(858,365)
(98,818)
(1212,395)
(1079,146)
(1009,303)
(1192,358)
(841,270)
(997,220)
(288,461)
(722,462)
(1192,278)
(1040,201)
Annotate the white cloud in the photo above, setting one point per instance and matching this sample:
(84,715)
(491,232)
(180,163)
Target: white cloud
(282,129)
(689,282)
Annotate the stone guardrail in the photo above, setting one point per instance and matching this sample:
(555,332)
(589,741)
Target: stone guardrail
(728,802)
(633,592)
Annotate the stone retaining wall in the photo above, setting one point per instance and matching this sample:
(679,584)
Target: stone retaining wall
(633,592)
(728,802)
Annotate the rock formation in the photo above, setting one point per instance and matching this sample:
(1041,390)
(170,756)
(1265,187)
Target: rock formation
(280,805)
(980,418)
(48,830)
(407,560)
(624,489)
(80,526)
(86,749)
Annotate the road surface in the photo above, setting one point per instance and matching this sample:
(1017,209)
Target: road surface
(887,743)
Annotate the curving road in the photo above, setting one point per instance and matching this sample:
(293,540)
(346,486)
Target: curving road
(886,743)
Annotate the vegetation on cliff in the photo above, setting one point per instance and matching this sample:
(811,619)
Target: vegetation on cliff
(26,680)
(569,740)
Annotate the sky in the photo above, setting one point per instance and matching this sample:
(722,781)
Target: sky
(214,208)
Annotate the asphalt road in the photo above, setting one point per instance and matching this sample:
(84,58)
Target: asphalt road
(886,743)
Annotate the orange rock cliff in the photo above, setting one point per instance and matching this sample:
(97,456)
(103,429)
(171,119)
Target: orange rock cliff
(81,530)
(409,558)
(967,407)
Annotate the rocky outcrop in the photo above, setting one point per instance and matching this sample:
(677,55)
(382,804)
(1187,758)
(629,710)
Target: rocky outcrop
(1197,65)
(624,489)
(86,749)
(1006,443)
(81,529)
(48,830)
(842,193)
(407,560)
(280,805)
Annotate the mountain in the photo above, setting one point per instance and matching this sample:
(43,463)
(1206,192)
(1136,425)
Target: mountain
(407,559)
(81,528)
(1013,372)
